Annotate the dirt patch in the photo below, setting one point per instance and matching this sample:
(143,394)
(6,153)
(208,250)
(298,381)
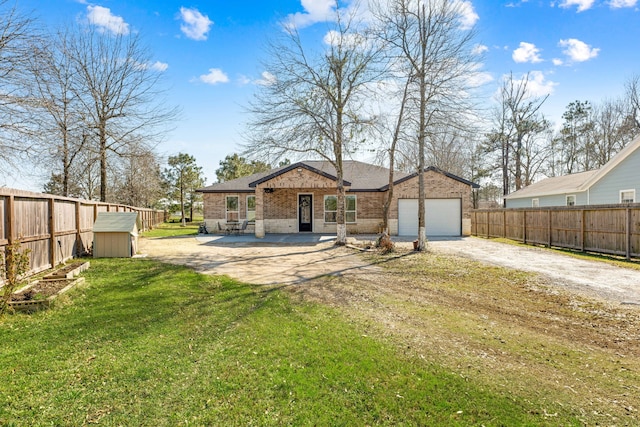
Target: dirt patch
(43,289)
(258,263)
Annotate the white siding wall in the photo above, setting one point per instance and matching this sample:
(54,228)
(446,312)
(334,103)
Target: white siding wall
(626,176)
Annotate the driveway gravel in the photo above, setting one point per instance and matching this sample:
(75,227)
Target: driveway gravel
(596,278)
(289,261)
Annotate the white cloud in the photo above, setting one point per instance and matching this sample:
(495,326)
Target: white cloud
(267,79)
(527,52)
(350,40)
(537,85)
(102,18)
(582,4)
(577,50)
(215,76)
(479,49)
(468,16)
(159,66)
(314,11)
(195,25)
(617,4)
(557,61)
(243,80)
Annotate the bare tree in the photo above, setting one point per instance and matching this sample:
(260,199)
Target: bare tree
(611,130)
(61,122)
(632,87)
(17,37)
(120,93)
(139,179)
(312,102)
(517,121)
(436,52)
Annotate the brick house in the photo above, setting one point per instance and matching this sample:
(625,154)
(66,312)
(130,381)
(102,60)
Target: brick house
(301,198)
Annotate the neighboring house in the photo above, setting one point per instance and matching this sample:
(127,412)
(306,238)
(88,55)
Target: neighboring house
(618,181)
(302,198)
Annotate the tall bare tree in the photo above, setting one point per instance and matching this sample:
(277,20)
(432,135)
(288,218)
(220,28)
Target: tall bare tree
(17,37)
(61,124)
(632,87)
(313,102)
(435,50)
(517,123)
(120,92)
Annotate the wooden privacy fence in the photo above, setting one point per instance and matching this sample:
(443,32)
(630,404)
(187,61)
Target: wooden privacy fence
(56,228)
(607,229)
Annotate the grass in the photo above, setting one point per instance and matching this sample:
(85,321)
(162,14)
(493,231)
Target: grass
(171,229)
(149,344)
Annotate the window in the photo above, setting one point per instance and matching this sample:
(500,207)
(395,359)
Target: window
(251,208)
(232,209)
(571,200)
(628,196)
(331,208)
(535,203)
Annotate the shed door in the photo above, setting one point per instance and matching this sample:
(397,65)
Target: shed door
(443,217)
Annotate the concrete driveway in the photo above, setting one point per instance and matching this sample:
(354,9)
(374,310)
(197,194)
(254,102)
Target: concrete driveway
(295,258)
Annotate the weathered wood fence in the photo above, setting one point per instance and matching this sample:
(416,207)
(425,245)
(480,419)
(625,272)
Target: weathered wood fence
(56,228)
(607,229)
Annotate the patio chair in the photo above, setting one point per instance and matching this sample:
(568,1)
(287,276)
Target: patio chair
(221,230)
(243,228)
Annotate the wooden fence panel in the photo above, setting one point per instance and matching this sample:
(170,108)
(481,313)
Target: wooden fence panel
(537,222)
(31,218)
(55,228)
(607,229)
(514,225)
(566,231)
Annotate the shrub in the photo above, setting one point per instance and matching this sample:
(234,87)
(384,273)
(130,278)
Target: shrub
(14,264)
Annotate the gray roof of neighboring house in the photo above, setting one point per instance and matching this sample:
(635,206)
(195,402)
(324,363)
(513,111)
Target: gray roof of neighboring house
(115,222)
(359,176)
(555,185)
(577,182)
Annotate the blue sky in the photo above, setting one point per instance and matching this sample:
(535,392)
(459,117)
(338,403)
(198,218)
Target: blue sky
(210,52)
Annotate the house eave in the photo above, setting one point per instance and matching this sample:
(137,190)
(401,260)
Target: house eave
(293,167)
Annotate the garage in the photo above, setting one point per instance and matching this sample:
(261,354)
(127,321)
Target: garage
(443,217)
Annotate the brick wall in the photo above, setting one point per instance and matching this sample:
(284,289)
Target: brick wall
(281,204)
(437,186)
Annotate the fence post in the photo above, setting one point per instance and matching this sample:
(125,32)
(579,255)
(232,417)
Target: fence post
(504,224)
(628,232)
(582,229)
(11,220)
(78,253)
(550,227)
(524,226)
(488,225)
(52,232)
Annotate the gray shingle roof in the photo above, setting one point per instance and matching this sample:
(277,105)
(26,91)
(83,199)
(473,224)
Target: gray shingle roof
(361,176)
(555,185)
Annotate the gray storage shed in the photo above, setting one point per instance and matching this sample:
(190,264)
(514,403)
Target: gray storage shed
(115,235)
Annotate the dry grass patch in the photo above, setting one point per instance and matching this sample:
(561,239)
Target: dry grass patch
(510,331)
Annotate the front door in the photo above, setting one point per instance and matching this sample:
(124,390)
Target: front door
(305,212)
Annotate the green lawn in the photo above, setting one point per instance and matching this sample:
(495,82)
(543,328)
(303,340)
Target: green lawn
(148,344)
(170,229)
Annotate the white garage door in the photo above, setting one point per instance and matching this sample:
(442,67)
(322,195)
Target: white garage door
(443,217)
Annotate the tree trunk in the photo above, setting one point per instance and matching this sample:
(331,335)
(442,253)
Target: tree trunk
(103,166)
